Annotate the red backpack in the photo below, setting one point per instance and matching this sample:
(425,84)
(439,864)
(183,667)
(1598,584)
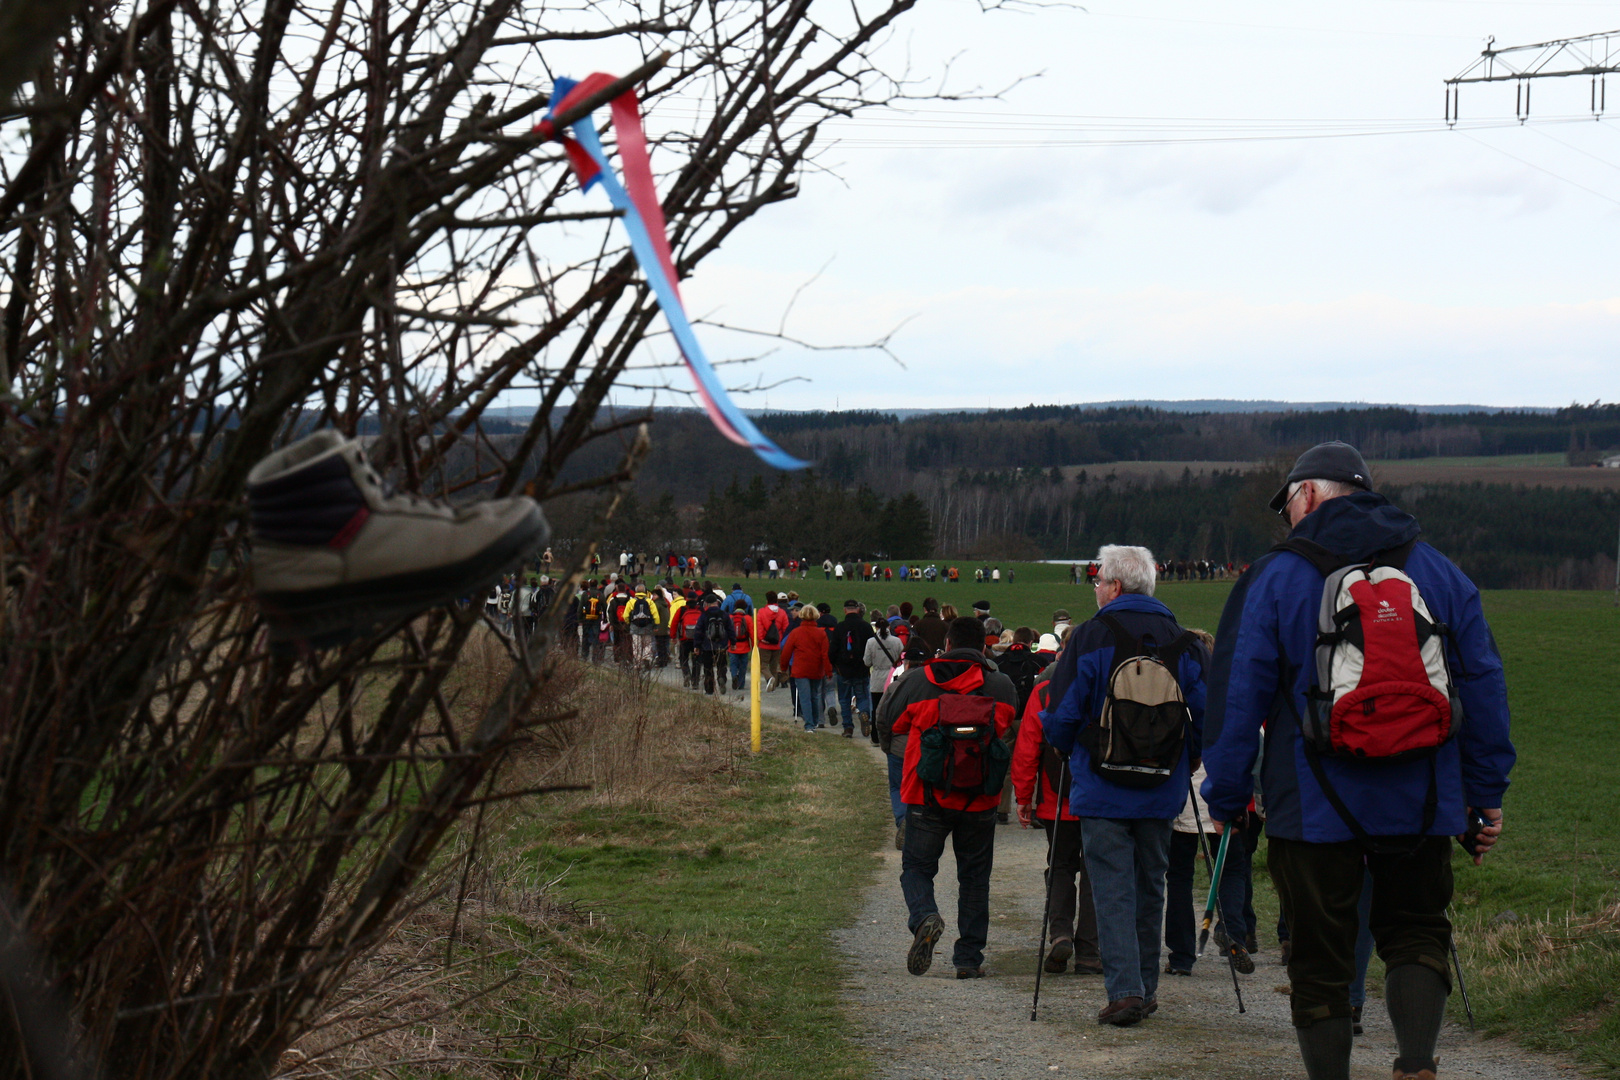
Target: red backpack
(959,753)
(1381,690)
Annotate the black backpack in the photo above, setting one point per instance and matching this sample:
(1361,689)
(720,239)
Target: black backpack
(1138,739)
(716,630)
(1023,669)
(773,634)
(641,613)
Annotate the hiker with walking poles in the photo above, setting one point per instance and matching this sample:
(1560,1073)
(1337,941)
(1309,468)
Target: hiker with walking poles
(1126,713)
(1368,653)
(1040,779)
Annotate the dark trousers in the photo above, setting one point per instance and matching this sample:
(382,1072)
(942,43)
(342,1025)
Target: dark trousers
(661,656)
(1185,899)
(1074,915)
(688,667)
(973,841)
(1319,886)
(703,664)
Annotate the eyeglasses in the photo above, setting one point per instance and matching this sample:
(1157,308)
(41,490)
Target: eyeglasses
(1282,511)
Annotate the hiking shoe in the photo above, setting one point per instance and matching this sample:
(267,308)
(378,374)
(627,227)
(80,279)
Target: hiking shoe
(1088,965)
(866,725)
(1150,1006)
(900,837)
(832,716)
(1355,1020)
(1221,940)
(1408,1072)
(849,733)
(1251,942)
(1285,952)
(1240,958)
(1171,969)
(1122,1013)
(921,956)
(1057,961)
(335,555)
(971,973)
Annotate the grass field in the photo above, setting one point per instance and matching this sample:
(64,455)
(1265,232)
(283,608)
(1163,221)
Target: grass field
(1039,589)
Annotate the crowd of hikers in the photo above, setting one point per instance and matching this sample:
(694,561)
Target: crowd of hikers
(1350,708)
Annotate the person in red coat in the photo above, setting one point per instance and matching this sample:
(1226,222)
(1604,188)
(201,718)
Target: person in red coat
(1073,921)
(806,659)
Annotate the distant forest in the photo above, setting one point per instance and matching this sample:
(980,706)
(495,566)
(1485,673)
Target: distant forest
(1003,484)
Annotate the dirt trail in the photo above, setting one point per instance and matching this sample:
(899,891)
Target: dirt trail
(936,1028)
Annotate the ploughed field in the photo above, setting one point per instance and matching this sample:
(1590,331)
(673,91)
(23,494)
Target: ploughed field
(1528,470)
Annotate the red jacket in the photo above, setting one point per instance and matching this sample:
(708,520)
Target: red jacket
(769,616)
(742,629)
(805,652)
(958,672)
(1026,760)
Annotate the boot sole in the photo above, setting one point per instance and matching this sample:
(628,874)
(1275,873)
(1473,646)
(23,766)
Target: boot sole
(921,956)
(322,618)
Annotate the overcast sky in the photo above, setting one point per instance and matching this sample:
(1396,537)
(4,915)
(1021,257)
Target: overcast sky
(1130,225)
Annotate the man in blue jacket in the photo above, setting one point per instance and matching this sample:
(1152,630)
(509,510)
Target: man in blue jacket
(1394,819)
(1124,831)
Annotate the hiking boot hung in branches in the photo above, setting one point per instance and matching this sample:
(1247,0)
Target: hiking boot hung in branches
(336,555)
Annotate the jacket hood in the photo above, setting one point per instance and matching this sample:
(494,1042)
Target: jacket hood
(960,671)
(1358,526)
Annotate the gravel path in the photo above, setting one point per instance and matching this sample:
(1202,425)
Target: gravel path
(937,1028)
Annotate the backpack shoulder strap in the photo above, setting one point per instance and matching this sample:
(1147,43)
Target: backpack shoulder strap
(1318,556)
(1125,646)
(1396,556)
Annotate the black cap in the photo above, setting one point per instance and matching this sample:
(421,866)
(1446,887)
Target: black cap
(852,605)
(1326,461)
(981,605)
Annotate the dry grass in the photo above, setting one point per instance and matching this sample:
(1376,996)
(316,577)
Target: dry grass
(456,986)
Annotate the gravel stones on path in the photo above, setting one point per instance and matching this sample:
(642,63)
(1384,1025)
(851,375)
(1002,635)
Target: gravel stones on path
(935,1027)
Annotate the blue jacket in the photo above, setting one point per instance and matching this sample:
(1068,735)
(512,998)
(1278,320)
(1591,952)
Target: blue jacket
(1263,665)
(729,604)
(1079,687)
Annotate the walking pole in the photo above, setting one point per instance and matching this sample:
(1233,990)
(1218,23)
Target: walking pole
(1046,914)
(1214,903)
(1461,984)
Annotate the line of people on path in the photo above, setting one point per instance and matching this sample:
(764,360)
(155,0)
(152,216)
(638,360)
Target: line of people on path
(1351,705)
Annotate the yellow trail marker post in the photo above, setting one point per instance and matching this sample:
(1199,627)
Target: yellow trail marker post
(753,692)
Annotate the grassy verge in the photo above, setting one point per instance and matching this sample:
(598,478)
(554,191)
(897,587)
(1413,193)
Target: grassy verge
(673,921)
(1539,925)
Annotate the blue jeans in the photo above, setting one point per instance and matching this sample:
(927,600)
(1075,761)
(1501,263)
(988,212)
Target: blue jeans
(860,690)
(896,771)
(1126,860)
(739,671)
(973,841)
(808,702)
(1237,886)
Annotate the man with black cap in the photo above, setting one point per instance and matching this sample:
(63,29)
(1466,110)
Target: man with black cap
(1407,747)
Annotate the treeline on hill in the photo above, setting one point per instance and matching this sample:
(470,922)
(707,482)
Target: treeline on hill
(887,453)
(1502,537)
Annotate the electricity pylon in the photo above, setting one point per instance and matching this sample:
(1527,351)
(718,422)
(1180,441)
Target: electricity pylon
(1595,55)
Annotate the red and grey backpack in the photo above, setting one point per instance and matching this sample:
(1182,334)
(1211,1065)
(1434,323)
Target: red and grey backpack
(960,753)
(1381,690)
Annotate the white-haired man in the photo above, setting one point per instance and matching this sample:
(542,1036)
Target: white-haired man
(1126,806)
